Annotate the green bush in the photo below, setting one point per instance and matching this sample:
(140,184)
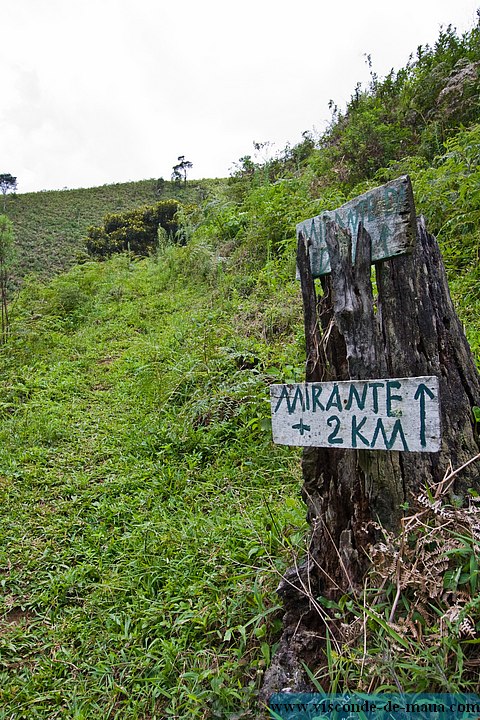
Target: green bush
(412,111)
(448,194)
(135,230)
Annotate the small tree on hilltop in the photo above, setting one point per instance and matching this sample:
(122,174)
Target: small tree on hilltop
(7,183)
(179,173)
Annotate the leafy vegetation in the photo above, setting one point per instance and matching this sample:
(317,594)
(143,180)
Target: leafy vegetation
(180,170)
(140,495)
(51,227)
(418,612)
(147,515)
(413,110)
(135,230)
(8,183)
(6,253)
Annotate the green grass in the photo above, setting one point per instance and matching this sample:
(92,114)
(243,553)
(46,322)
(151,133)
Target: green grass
(50,226)
(142,497)
(146,513)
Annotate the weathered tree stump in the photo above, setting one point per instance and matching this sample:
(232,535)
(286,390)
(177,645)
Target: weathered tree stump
(408,328)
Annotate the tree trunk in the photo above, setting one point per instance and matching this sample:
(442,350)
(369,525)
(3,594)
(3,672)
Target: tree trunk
(409,330)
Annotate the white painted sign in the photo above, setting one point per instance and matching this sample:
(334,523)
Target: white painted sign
(386,212)
(390,414)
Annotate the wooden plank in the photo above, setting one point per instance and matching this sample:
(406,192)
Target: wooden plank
(387,213)
(391,414)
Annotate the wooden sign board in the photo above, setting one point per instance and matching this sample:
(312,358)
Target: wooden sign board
(386,212)
(391,414)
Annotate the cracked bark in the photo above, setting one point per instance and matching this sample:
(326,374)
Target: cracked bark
(411,329)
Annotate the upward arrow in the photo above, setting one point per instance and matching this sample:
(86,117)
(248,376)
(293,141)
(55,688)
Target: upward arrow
(422,392)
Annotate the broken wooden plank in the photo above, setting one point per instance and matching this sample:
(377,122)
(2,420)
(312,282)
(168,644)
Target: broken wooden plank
(387,214)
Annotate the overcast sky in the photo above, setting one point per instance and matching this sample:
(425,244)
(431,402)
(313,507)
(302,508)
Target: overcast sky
(101,91)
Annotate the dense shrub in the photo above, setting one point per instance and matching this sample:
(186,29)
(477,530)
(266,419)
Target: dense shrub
(448,193)
(135,230)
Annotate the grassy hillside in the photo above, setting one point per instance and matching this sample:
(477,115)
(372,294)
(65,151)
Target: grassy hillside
(146,513)
(50,226)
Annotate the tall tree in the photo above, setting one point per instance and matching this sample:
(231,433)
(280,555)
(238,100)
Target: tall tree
(7,183)
(179,173)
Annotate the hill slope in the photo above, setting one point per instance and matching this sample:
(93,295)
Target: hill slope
(50,226)
(146,513)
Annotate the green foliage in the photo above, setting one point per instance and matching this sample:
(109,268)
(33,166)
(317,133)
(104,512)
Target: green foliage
(54,223)
(6,241)
(449,195)
(180,170)
(443,83)
(263,225)
(6,255)
(409,112)
(447,192)
(135,231)
(365,140)
(419,612)
(288,163)
(142,495)
(273,211)
(8,183)
(225,222)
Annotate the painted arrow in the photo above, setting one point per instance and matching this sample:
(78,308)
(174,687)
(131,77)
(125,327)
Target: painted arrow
(421,394)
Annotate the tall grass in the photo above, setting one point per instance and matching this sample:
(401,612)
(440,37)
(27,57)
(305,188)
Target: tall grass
(140,492)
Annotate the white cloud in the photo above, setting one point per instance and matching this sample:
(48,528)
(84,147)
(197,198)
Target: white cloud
(97,91)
